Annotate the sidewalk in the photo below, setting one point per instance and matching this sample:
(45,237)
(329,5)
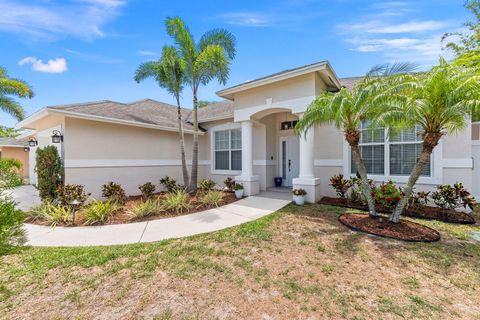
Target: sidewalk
(230,215)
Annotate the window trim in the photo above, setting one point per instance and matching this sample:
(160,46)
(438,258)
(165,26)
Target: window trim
(212,131)
(436,170)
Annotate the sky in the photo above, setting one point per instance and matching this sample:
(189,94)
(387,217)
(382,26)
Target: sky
(88,50)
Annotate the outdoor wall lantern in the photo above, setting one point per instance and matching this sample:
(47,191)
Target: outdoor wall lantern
(32,142)
(26,148)
(57,136)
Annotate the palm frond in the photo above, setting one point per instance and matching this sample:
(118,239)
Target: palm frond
(221,37)
(10,106)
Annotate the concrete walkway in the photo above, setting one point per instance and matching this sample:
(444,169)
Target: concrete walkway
(25,196)
(230,215)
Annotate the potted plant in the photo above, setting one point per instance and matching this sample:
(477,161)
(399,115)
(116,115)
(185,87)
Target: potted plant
(278,181)
(238,188)
(299,196)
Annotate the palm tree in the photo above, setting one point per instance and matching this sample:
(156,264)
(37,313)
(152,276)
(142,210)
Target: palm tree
(439,102)
(204,61)
(169,72)
(347,110)
(15,87)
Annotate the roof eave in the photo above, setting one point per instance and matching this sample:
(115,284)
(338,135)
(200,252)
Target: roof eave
(116,121)
(229,92)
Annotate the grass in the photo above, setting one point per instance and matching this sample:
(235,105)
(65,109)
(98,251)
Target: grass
(296,263)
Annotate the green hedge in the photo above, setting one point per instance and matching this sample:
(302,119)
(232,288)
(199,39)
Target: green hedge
(49,170)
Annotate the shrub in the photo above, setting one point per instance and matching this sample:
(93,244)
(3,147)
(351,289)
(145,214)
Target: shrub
(418,199)
(452,197)
(11,220)
(341,185)
(387,194)
(147,208)
(237,186)
(206,184)
(114,191)
(71,192)
(170,184)
(212,198)
(299,192)
(38,212)
(99,212)
(54,214)
(147,190)
(229,183)
(49,170)
(10,173)
(176,201)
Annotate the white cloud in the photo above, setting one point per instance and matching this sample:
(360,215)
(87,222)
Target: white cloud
(247,19)
(57,65)
(390,31)
(53,19)
(147,53)
(380,27)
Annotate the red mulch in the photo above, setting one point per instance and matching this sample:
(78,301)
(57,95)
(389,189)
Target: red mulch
(122,215)
(426,212)
(403,230)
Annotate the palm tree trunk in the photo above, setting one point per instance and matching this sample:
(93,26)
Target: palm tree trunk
(362,171)
(182,144)
(430,141)
(194,176)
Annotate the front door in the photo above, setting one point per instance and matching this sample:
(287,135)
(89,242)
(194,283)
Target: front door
(289,159)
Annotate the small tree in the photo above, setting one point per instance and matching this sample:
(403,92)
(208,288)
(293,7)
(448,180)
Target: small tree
(169,72)
(49,171)
(439,102)
(205,60)
(347,110)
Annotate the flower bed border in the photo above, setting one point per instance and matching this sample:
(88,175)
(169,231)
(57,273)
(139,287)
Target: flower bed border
(380,234)
(408,213)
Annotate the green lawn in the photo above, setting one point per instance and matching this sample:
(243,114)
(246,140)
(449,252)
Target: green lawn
(296,263)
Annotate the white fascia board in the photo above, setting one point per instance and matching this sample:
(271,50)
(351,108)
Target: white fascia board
(24,124)
(228,93)
(117,121)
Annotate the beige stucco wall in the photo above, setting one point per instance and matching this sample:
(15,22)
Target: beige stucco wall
(286,90)
(16,153)
(98,152)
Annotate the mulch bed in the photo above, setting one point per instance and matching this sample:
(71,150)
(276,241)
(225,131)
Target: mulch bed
(426,212)
(123,216)
(403,230)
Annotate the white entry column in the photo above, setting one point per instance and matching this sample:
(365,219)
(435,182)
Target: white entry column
(250,181)
(306,178)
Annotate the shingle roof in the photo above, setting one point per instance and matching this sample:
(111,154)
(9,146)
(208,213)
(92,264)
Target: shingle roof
(350,82)
(215,111)
(144,111)
(11,142)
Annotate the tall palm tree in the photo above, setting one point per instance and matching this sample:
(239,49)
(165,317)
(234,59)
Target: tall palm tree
(15,87)
(169,72)
(205,61)
(347,110)
(439,102)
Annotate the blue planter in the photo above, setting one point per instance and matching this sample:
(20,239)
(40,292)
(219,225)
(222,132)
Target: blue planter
(278,181)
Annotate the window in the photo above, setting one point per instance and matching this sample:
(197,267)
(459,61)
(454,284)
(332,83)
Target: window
(372,149)
(392,156)
(228,150)
(405,148)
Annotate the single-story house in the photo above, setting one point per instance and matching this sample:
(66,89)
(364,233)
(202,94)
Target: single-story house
(11,148)
(247,136)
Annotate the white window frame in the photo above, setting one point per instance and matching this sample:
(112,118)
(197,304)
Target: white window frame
(436,170)
(223,127)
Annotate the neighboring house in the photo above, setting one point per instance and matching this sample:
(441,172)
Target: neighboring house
(14,149)
(248,136)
